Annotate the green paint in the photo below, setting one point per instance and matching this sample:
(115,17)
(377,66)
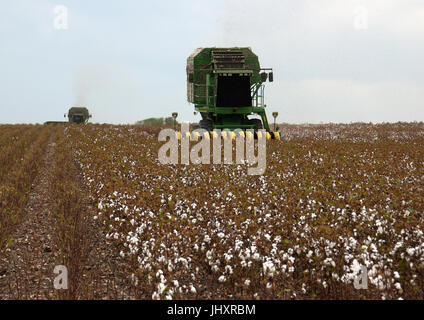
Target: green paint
(208,68)
(78,115)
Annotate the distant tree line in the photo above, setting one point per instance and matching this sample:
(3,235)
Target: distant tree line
(169,121)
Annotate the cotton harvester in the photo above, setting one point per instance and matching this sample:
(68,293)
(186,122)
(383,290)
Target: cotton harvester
(226,86)
(78,115)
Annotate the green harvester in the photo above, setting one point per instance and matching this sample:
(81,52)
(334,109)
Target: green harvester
(226,86)
(78,115)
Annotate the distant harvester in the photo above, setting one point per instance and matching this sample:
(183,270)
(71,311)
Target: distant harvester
(78,115)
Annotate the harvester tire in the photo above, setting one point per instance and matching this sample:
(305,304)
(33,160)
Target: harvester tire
(257,124)
(206,124)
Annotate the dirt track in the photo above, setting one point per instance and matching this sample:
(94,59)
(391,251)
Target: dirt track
(26,267)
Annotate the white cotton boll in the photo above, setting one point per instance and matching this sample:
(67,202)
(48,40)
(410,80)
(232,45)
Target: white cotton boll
(410,251)
(222,279)
(184,262)
(355,267)
(269,285)
(134,279)
(192,289)
(221,235)
(398,287)
(228,257)
(228,269)
(268,268)
(161,288)
(155,296)
(247,253)
(396,275)
(170,267)
(335,276)
(247,282)
(209,255)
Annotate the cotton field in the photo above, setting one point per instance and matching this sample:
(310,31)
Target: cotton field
(333,199)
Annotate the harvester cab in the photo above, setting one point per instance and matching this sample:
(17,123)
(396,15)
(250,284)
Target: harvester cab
(226,85)
(78,115)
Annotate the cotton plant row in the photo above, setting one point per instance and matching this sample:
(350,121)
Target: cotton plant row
(354,132)
(22,149)
(324,208)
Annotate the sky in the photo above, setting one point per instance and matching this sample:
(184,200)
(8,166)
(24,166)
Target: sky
(333,60)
